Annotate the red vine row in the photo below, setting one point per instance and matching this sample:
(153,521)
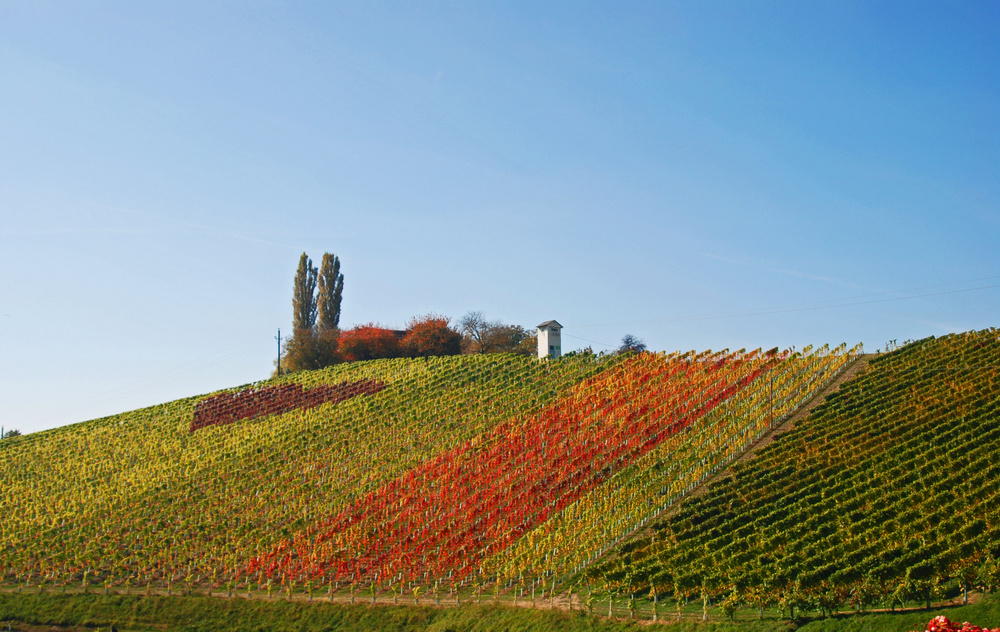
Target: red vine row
(226,408)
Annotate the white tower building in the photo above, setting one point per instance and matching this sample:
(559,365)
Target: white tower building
(549,340)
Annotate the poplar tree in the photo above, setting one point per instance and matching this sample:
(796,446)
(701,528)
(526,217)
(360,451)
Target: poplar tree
(304,296)
(331,288)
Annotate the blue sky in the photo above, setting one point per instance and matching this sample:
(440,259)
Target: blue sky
(699,174)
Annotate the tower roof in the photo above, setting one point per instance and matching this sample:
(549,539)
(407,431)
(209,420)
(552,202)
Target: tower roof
(549,323)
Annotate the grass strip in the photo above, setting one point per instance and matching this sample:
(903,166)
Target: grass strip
(196,613)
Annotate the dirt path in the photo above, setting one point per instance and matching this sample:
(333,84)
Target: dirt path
(767,439)
(803,411)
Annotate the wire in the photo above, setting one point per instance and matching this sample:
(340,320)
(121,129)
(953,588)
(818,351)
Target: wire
(604,344)
(138,386)
(794,309)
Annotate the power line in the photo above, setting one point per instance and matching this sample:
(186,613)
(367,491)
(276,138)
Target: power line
(791,309)
(603,344)
(141,385)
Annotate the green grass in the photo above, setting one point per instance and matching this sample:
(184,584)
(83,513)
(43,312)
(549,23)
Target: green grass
(985,613)
(198,613)
(211,614)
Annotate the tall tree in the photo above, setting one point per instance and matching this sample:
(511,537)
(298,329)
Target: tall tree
(308,350)
(304,295)
(331,288)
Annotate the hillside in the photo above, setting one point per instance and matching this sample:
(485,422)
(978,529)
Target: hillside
(460,475)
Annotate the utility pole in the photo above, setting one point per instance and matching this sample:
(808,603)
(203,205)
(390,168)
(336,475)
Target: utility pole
(278,338)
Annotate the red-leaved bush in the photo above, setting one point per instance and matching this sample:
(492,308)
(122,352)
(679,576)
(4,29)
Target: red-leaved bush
(431,336)
(368,342)
(942,624)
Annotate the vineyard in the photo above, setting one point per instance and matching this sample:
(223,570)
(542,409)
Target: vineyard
(506,476)
(885,494)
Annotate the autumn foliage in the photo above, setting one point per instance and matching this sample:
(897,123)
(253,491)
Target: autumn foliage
(942,624)
(251,403)
(368,342)
(310,349)
(431,336)
(452,512)
(425,336)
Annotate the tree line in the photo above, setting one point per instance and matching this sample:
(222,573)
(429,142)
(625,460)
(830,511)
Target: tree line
(317,340)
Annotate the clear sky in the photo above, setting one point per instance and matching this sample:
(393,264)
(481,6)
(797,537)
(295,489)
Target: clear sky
(700,174)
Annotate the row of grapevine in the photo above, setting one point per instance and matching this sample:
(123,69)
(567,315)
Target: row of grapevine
(227,408)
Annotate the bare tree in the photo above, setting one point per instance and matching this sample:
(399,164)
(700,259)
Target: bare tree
(631,344)
(501,338)
(474,328)
(494,336)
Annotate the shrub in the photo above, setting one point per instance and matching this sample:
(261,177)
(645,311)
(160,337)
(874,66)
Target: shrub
(368,342)
(430,335)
